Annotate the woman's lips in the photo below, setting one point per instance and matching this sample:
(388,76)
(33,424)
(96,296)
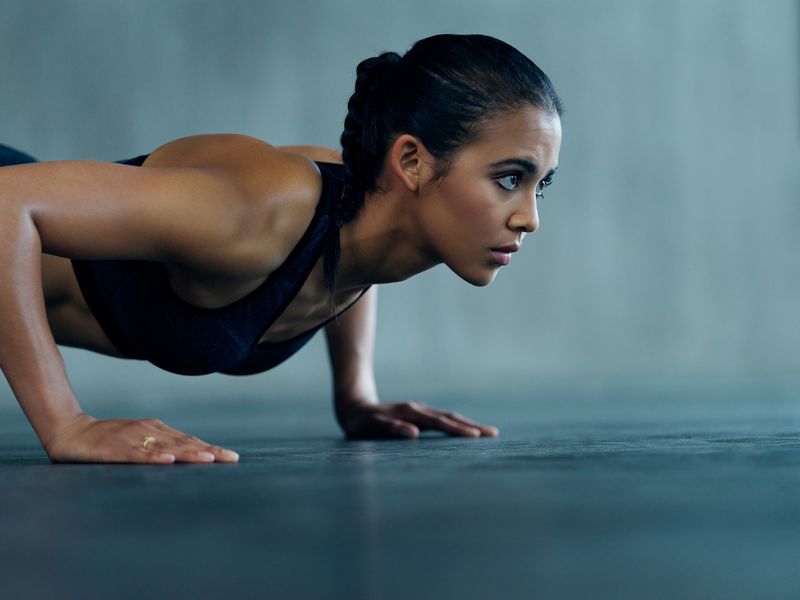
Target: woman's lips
(502,255)
(501,258)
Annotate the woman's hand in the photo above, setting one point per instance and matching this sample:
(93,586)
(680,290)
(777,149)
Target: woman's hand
(87,439)
(364,420)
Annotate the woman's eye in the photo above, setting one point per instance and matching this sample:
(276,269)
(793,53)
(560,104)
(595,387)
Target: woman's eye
(543,184)
(511,177)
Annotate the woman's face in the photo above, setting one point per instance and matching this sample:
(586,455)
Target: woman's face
(488,198)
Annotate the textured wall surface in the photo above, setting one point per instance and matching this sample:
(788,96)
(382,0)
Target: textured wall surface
(668,246)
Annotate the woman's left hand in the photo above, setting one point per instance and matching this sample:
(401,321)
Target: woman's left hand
(364,420)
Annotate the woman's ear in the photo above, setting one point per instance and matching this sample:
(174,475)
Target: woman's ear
(410,162)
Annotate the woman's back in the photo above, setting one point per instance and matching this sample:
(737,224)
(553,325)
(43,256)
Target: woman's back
(201,315)
(283,191)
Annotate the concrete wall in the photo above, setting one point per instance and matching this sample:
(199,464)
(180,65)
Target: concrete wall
(668,247)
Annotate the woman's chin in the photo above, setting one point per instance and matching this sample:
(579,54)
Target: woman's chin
(480,278)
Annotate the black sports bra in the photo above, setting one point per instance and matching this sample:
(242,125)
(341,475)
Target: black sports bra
(144,318)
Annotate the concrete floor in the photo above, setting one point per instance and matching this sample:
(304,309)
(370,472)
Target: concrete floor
(674,493)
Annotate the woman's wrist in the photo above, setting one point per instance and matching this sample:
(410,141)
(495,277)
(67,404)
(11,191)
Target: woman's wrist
(355,396)
(57,429)
(345,401)
(356,390)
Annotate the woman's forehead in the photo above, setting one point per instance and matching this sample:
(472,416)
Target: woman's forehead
(529,121)
(530,134)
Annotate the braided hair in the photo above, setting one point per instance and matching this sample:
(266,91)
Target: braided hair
(443,90)
(361,154)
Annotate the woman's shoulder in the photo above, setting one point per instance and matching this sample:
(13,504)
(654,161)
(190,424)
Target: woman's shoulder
(281,186)
(253,163)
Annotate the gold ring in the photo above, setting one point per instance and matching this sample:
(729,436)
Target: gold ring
(146,440)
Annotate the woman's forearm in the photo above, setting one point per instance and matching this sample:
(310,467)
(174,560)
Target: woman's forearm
(29,357)
(351,347)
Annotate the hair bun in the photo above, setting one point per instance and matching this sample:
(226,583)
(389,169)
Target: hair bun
(374,70)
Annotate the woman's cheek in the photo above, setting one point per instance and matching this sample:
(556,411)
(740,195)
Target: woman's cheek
(478,201)
(486,211)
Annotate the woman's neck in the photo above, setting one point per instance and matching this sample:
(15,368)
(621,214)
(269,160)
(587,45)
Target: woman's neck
(382,244)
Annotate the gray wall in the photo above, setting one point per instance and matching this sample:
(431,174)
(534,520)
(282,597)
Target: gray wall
(668,248)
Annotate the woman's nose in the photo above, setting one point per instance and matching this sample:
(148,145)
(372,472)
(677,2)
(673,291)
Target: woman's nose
(527,218)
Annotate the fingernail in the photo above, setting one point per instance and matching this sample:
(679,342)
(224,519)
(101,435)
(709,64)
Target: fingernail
(167,457)
(206,456)
(230,454)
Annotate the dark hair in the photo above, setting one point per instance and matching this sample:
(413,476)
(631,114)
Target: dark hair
(442,91)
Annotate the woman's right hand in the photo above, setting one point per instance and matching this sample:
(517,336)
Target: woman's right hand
(87,439)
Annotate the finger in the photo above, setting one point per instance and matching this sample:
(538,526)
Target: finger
(223,454)
(187,450)
(433,419)
(193,444)
(384,427)
(398,428)
(141,456)
(159,451)
(181,448)
(485,429)
(186,444)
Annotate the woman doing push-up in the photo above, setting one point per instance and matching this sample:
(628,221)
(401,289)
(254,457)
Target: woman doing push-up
(225,254)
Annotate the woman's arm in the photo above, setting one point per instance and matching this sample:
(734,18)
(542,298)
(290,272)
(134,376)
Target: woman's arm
(90,209)
(351,346)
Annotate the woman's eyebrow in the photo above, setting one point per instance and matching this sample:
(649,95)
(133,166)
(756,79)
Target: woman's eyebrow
(520,162)
(526,164)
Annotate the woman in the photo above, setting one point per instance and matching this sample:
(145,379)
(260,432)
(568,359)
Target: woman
(222,253)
